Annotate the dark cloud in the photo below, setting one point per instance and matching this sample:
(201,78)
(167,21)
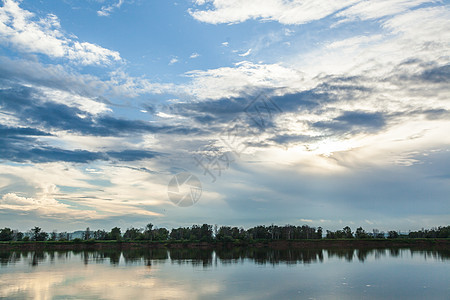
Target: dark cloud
(437,74)
(430,114)
(149,108)
(27,104)
(51,154)
(219,113)
(286,139)
(211,111)
(435,114)
(28,149)
(226,109)
(358,118)
(6,131)
(132,155)
(354,121)
(51,76)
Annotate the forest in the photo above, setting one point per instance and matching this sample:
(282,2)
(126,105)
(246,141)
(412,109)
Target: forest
(210,233)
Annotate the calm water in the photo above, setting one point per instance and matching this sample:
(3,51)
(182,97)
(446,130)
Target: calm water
(226,274)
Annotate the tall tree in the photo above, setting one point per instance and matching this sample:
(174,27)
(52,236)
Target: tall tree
(87,234)
(115,234)
(6,234)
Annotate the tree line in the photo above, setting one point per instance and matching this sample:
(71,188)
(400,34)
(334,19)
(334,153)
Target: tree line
(209,233)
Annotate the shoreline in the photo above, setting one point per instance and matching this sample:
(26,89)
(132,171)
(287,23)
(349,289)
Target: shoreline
(439,244)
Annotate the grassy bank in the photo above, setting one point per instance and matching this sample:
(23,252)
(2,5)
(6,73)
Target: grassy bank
(279,244)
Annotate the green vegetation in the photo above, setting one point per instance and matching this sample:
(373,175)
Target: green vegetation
(208,233)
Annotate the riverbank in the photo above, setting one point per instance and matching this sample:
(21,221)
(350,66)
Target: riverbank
(443,244)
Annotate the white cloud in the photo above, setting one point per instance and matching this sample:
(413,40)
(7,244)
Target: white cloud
(288,32)
(168,116)
(306,220)
(123,85)
(246,53)
(108,9)
(245,77)
(115,199)
(20,29)
(43,205)
(83,103)
(194,55)
(173,61)
(369,9)
(285,12)
(298,12)
(356,41)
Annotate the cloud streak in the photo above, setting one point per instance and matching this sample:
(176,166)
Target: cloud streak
(285,12)
(106,10)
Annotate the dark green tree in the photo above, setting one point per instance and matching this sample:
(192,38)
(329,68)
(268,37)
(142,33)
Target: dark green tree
(347,232)
(87,234)
(132,234)
(361,233)
(161,234)
(115,234)
(319,233)
(38,235)
(393,234)
(100,235)
(148,232)
(6,234)
(53,235)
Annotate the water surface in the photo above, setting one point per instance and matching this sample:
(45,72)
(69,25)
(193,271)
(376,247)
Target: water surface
(226,274)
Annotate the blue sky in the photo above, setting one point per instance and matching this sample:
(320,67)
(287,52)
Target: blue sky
(103,102)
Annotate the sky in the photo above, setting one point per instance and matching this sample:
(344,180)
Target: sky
(324,113)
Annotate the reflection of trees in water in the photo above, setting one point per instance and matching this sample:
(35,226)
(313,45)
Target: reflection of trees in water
(206,257)
(129,256)
(37,257)
(149,256)
(272,256)
(346,254)
(362,253)
(431,254)
(8,257)
(196,257)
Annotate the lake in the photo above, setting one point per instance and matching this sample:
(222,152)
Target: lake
(238,273)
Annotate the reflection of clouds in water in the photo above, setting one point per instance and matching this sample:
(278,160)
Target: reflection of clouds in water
(101,282)
(237,273)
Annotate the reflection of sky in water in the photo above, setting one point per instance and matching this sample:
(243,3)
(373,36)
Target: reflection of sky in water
(237,274)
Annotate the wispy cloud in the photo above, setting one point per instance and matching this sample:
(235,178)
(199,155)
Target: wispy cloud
(244,77)
(285,12)
(295,12)
(194,55)
(106,10)
(246,53)
(369,10)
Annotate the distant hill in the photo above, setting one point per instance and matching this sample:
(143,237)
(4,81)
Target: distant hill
(77,234)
